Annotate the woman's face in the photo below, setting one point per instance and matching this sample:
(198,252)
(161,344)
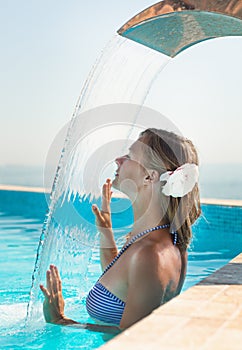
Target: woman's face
(130,174)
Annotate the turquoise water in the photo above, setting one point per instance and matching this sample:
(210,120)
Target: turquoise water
(217,239)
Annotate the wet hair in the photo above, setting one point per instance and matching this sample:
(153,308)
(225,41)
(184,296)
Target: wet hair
(167,151)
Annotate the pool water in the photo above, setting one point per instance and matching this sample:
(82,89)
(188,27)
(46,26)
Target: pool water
(217,239)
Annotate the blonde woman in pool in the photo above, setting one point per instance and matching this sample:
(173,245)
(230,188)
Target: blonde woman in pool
(160,176)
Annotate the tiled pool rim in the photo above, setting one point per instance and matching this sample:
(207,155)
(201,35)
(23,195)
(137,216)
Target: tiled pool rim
(208,316)
(226,202)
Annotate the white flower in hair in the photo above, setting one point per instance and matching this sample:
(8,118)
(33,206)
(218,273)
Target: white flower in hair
(180,181)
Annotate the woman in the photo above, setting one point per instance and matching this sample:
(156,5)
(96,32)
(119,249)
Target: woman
(160,176)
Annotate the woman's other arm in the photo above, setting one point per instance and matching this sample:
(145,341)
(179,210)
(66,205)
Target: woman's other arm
(53,306)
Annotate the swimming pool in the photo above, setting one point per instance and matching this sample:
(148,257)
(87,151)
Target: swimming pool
(217,239)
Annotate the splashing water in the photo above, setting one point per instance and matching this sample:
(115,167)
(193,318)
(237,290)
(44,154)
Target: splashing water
(107,117)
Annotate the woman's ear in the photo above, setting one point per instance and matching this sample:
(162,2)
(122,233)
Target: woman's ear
(151,177)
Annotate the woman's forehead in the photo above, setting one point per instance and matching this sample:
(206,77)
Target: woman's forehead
(137,150)
(137,145)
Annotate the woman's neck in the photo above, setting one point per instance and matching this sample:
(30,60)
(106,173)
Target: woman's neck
(147,212)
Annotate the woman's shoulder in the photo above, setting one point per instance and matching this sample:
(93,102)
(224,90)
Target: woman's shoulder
(142,263)
(148,254)
(145,254)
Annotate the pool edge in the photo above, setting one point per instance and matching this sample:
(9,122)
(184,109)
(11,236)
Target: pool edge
(206,316)
(212,201)
(24,188)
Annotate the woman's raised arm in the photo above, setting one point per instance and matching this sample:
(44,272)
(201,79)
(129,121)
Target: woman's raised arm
(108,248)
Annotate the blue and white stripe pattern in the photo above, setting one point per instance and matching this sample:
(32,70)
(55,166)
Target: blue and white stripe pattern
(103,305)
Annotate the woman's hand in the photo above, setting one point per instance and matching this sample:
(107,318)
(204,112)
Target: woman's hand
(108,248)
(103,216)
(54,304)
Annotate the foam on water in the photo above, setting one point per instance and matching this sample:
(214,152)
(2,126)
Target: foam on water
(12,314)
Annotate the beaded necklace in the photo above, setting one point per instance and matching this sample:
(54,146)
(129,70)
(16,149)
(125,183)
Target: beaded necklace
(139,235)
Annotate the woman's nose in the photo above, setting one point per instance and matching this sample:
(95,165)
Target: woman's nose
(119,160)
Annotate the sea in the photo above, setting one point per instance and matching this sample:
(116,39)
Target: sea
(220,181)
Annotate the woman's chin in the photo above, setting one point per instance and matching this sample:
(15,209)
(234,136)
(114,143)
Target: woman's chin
(116,186)
(115,183)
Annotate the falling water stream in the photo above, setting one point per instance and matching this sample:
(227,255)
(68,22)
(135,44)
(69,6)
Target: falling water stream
(107,117)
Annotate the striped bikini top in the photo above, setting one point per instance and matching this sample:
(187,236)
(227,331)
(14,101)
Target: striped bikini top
(101,304)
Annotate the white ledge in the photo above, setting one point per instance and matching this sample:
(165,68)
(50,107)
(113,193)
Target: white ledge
(24,188)
(212,201)
(226,202)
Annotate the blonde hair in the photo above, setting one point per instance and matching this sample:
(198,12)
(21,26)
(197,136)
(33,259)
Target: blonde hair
(167,151)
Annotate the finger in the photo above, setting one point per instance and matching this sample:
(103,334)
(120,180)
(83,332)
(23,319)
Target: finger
(58,279)
(96,212)
(109,189)
(54,279)
(99,217)
(106,196)
(48,281)
(109,182)
(44,291)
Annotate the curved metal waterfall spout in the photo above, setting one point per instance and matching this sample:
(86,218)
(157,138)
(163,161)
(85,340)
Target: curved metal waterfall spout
(171,26)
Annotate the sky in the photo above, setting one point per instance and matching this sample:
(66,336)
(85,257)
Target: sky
(49,47)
